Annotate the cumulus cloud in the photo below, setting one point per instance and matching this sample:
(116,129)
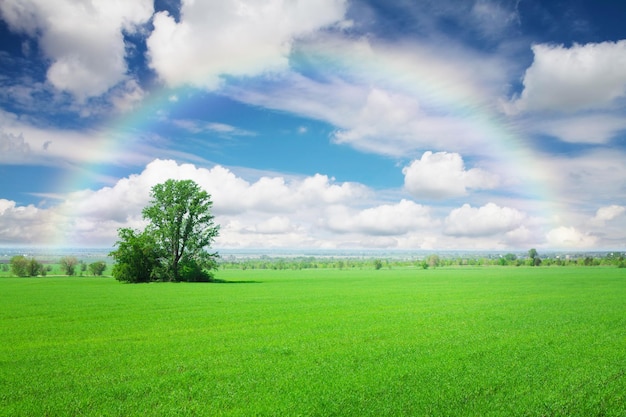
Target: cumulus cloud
(442,175)
(383,220)
(569,79)
(277,211)
(487,220)
(273,225)
(84,41)
(569,238)
(26,224)
(521,236)
(244,38)
(94,216)
(608,213)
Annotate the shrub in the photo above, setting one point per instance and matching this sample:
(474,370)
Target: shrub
(97,268)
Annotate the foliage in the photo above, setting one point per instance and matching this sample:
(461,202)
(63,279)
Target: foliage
(137,256)
(360,262)
(19,266)
(457,341)
(97,268)
(173,247)
(35,268)
(68,264)
(434,261)
(23,267)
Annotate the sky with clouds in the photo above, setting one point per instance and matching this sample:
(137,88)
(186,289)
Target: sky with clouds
(432,125)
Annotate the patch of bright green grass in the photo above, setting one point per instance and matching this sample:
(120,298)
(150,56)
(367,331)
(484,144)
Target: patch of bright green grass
(481,342)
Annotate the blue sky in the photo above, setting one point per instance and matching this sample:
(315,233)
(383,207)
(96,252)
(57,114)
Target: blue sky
(492,125)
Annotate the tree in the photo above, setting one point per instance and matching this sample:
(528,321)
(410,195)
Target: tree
(19,266)
(22,267)
(137,256)
(510,257)
(68,264)
(35,268)
(174,245)
(97,268)
(433,261)
(535,260)
(378,264)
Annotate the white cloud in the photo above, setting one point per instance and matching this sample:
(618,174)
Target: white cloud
(269,203)
(83,41)
(569,79)
(383,220)
(244,38)
(569,238)
(398,101)
(126,96)
(572,182)
(26,224)
(25,143)
(273,225)
(198,126)
(520,237)
(234,195)
(492,18)
(14,146)
(592,129)
(277,211)
(608,213)
(442,175)
(487,220)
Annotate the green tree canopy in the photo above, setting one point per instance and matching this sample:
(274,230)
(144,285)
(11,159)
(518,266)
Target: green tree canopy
(535,260)
(97,268)
(19,266)
(137,256)
(174,246)
(68,264)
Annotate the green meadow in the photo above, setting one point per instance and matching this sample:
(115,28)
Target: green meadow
(490,341)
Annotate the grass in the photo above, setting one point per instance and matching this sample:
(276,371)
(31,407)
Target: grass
(472,342)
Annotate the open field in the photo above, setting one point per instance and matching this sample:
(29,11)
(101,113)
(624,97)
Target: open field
(471,341)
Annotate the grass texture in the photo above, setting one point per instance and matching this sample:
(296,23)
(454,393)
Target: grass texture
(471,342)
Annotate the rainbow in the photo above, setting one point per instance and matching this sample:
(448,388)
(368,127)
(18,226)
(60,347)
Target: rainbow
(440,90)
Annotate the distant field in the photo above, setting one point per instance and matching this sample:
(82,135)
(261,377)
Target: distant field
(470,341)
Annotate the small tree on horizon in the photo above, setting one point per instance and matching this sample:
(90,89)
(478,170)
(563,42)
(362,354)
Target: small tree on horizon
(68,265)
(97,268)
(19,266)
(23,267)
(535,260)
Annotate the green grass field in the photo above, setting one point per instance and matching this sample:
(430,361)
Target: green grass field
(467,342)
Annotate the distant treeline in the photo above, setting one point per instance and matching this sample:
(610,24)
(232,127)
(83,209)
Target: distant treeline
(22,266)
(68,265)
(431,261)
